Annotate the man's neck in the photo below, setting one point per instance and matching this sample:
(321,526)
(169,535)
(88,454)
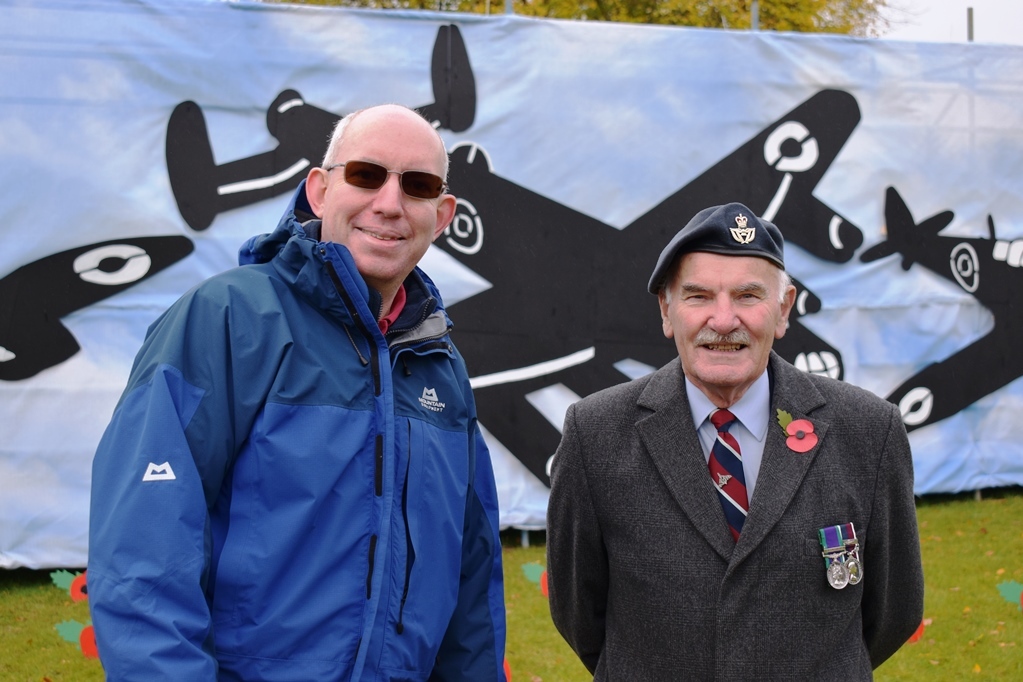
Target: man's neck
(394,308)
(756,396)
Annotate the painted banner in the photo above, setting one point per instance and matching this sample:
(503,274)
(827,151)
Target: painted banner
(144,140)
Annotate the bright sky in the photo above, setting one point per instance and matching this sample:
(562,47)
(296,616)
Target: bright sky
(994,21)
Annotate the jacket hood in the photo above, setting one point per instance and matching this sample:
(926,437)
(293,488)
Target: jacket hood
(298,220)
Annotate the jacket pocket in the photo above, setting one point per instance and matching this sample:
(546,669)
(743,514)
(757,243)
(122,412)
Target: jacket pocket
(430,538)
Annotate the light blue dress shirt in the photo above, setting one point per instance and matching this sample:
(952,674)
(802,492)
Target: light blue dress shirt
(753,413)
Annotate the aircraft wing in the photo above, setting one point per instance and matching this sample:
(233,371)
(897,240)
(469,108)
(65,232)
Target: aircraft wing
(774,174)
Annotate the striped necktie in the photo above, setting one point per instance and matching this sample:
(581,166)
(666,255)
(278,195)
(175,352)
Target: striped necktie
(726,472)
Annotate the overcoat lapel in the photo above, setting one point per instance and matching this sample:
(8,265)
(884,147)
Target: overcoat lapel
(669,437)
(782,470)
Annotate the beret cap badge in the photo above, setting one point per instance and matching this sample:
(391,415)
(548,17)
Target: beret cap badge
(741,233)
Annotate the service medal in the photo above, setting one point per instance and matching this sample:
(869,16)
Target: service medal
(838,575)
(855,569)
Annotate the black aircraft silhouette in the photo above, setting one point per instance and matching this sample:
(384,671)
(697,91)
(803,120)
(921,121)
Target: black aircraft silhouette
(34,297)
(988,269)
(203,189)
(567,312)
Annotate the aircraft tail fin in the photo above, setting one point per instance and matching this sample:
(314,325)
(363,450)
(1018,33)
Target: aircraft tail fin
(905,235)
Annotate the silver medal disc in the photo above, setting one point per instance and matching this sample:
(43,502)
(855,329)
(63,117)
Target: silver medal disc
(838,575)
(855,570)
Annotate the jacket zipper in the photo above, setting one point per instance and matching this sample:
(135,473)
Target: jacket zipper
(410,554)
(378,475)
(360,323)
(369,573)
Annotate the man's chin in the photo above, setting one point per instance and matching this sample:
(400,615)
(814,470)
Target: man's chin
(723,360)
(723,374)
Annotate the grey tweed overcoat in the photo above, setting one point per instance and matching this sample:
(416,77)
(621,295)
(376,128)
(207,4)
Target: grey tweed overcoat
(645,580)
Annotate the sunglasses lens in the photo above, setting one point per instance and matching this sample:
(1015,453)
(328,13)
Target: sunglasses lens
(421,185)
(418,184)
(365,175)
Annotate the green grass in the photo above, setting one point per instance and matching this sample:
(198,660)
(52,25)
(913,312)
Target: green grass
(31,650)
(535,651)
(969,548)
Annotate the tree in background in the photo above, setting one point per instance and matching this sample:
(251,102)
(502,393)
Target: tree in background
(850,17)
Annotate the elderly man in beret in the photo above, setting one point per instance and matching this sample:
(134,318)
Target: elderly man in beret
(729,517)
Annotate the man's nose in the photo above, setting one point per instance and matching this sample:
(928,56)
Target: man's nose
(723,318)
(389,197)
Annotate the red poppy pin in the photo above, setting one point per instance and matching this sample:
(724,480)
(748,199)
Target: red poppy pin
(799,432)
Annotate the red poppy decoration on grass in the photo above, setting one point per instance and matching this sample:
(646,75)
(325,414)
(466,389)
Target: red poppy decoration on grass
(78,590)
(82,634)
(799,432)
(87,641)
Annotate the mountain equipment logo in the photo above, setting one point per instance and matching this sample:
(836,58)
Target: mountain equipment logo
(429,400)
(159,472)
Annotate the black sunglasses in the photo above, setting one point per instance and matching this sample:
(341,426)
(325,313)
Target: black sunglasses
(416,184)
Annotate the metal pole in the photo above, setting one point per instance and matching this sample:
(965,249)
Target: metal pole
(754,19)
(969,24)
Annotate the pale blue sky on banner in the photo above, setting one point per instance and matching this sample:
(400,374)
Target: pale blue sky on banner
(994,21)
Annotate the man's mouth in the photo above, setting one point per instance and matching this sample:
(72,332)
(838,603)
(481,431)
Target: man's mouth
(378,235)
(726,347)
(725,343)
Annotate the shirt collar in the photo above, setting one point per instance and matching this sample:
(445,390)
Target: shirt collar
(751,410)
(397,305)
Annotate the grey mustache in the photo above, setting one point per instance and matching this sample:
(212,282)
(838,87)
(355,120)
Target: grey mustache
(708,337)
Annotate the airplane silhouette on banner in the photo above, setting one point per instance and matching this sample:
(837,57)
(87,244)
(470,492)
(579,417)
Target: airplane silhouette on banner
(203,189)
(989,270)
(35,296)
(568,312)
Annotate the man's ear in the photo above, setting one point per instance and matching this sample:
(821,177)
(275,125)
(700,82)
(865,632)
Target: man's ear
(662,302)
(787,302)
(445,213)
(316,190)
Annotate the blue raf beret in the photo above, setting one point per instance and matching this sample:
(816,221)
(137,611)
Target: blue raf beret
(729,230)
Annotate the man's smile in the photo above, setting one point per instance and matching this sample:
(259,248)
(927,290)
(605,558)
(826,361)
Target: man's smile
(724,347)
(731,342)
(379,235)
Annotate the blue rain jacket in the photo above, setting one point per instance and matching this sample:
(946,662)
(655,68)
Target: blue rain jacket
(285,494)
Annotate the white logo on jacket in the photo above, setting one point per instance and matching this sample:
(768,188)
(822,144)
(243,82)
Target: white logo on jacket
(429,400)
(159,472)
